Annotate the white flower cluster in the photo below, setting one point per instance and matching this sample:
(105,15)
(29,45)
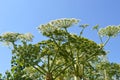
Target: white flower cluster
(9,36)
(12,37)
(64,23)
(25,37)
(46,29)
(110,31)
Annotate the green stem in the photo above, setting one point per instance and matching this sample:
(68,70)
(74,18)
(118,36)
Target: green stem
(81,32)
(42,68)
(38,70)
(58,67)
(48,63)
(100,37)
(62,71)
(52,64)
(105,75)
(106,41)
(61,48)
(66,30)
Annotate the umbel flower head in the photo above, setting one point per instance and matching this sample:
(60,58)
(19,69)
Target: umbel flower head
(54,25)
(47,29)
(64,23)
(9,36)
(109,31)
(12,37)
(25,37)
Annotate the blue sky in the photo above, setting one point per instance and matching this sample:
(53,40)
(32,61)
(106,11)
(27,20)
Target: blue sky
(25,15)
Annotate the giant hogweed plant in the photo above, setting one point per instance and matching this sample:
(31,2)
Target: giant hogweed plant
(63,56)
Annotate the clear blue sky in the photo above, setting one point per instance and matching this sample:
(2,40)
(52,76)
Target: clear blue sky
(25,15)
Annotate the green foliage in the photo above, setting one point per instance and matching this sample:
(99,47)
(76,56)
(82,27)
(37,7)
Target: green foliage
(63,56)
(0,75)
(26,54)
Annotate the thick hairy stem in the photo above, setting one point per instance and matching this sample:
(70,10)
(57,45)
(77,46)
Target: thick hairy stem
(76,78)
(49,76)
(79,72)
(105,75)
(62,71)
